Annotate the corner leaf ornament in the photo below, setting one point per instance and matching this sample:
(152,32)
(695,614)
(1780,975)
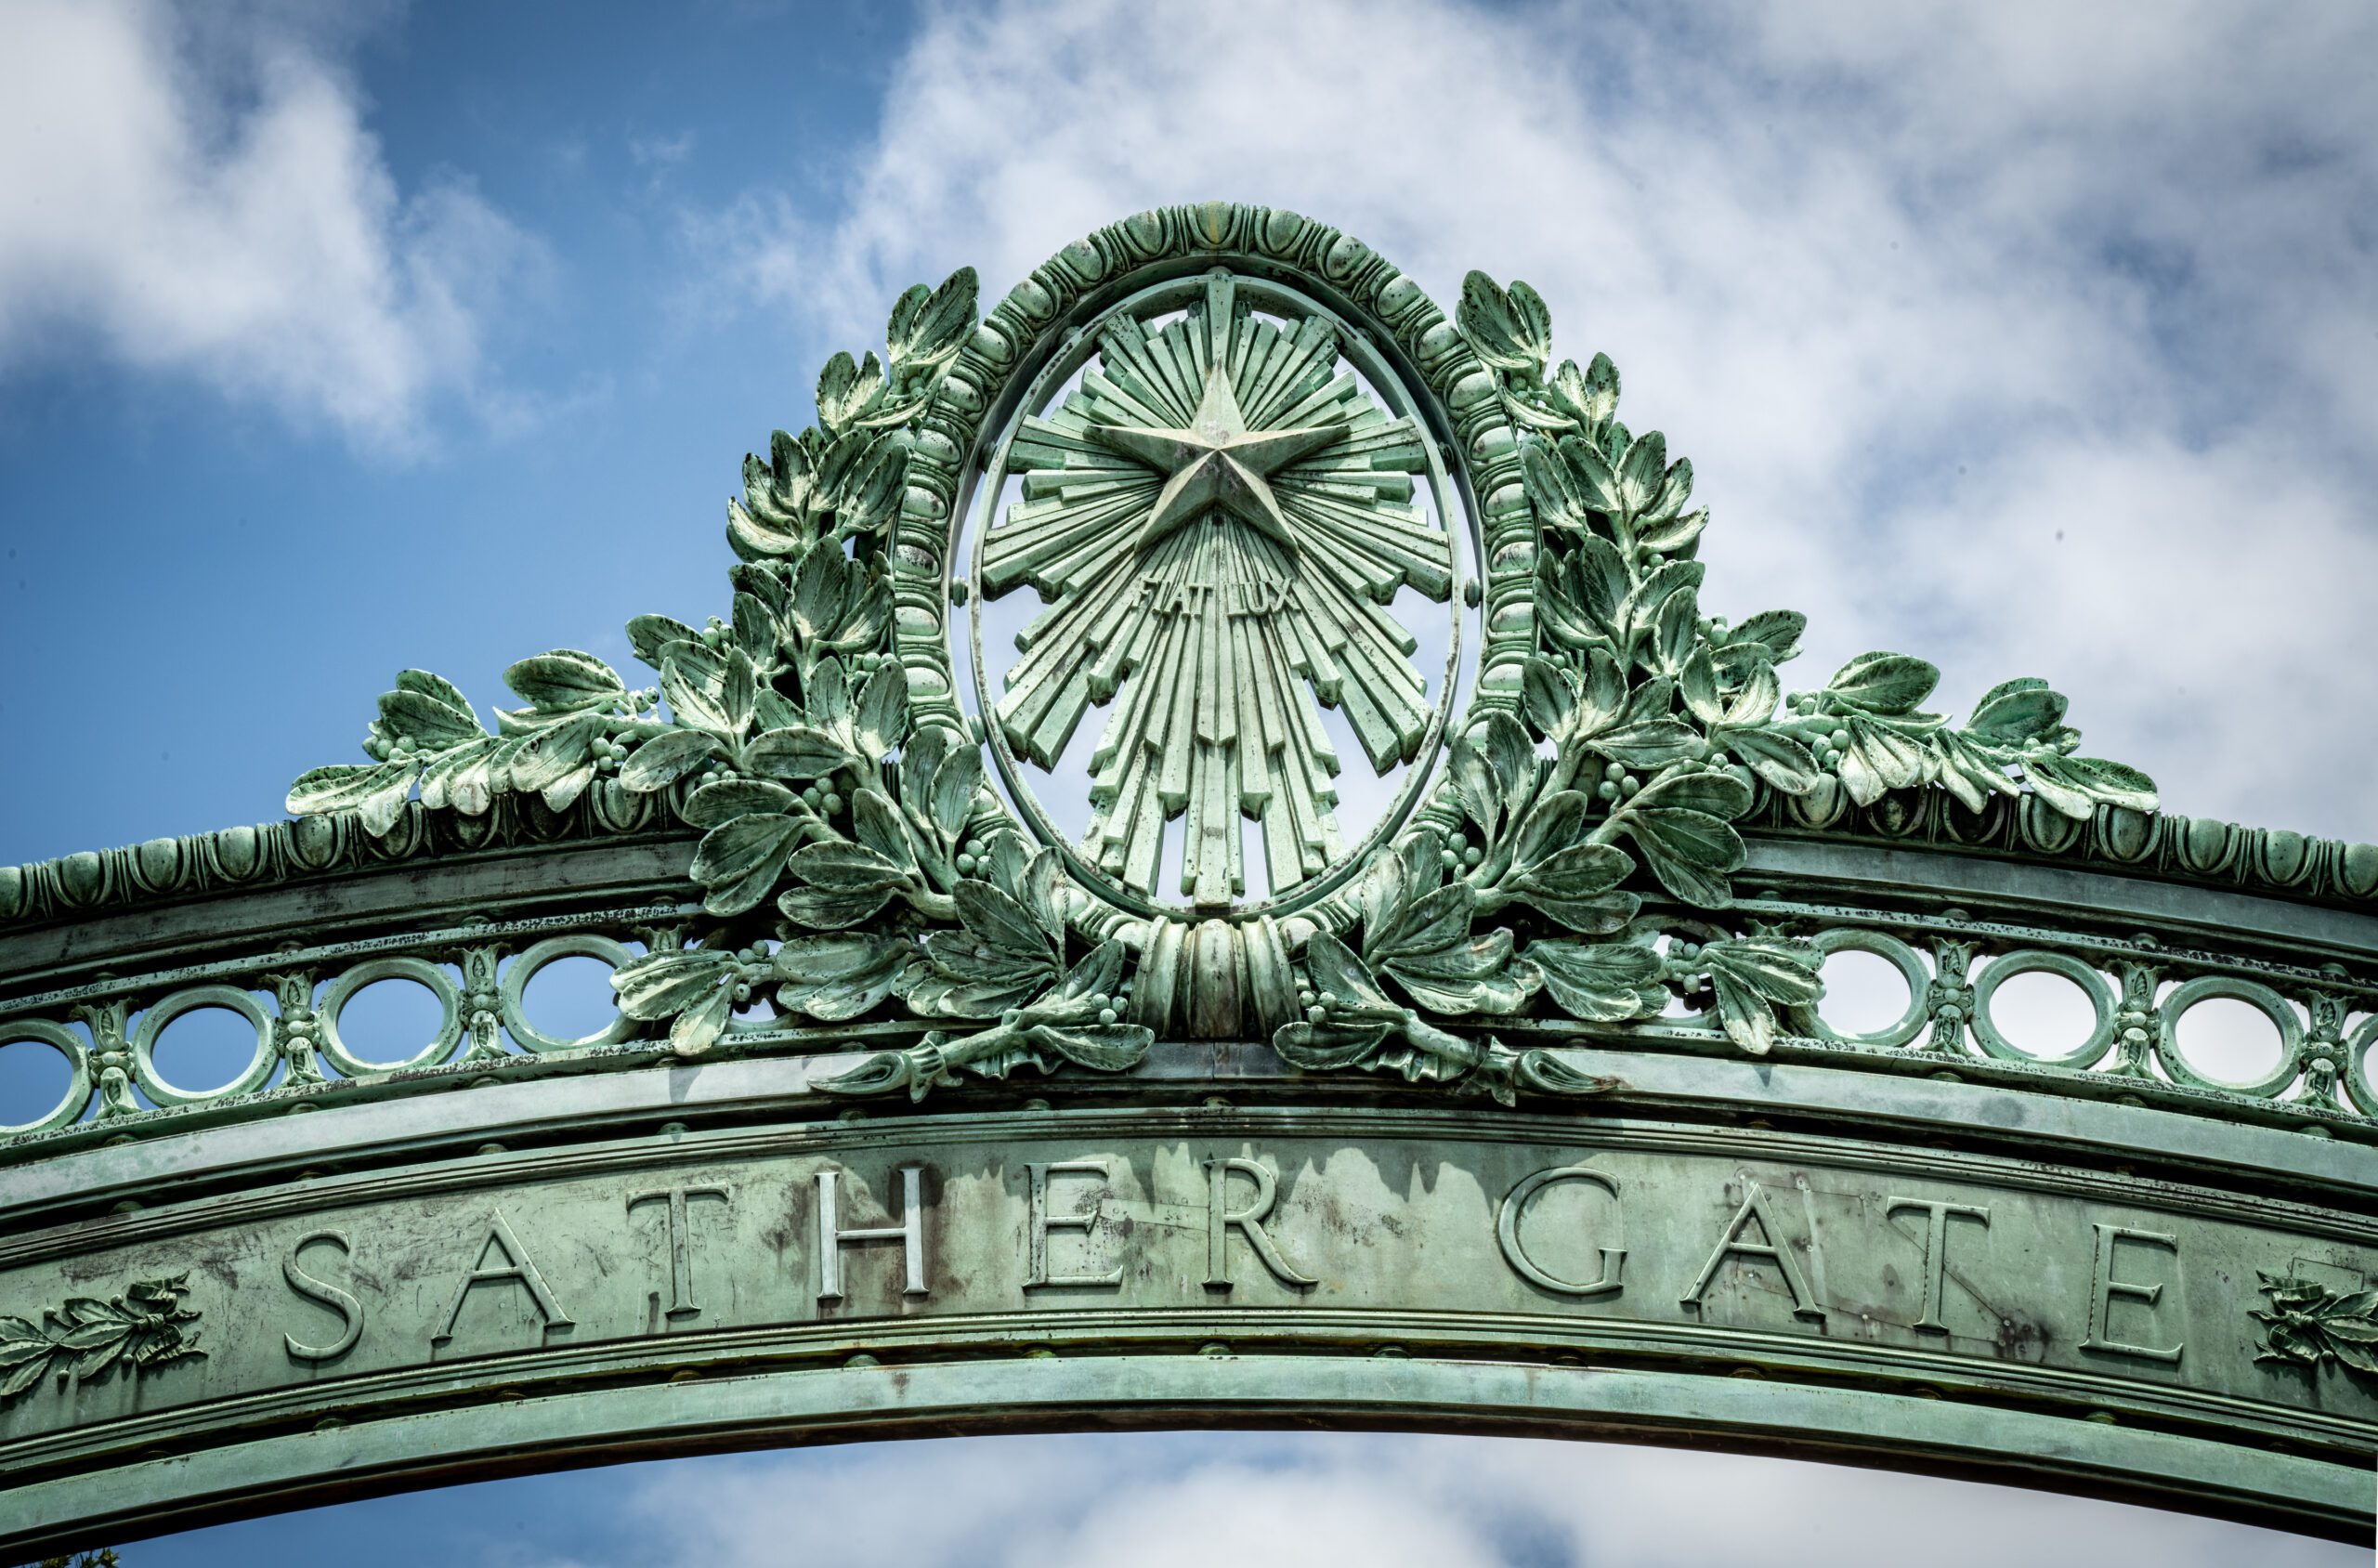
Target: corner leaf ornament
(2309,1324)
(140,1330)
(1228,522)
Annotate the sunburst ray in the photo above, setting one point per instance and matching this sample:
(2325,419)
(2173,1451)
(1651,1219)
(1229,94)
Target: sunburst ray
(1217,519)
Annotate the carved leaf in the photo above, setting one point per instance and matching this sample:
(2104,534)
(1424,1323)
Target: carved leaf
(557,760)
(839,977)
(1106,1048)
(1687,849)
(1601,983)
(1095,975)
(1643,471)
(826,908)
(796,751)
(429,710)
(379,789)
(2018,710)
(929,327)
(1753,979)
(876,824)
(664,984)
(727,799)
(2098,780)
(1337,973)
(664,759)
(462,776)
(1781,760)
(845,867)
(1573,887)
(1511,331)
(24,1376)
(739,861)
(881,712)
(1883,682)
(1778,630)
(871,500)
(564,682)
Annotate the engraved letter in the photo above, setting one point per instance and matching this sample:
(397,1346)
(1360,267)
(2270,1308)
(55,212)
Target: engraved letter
(1774,1249)
(349,1310)
(681,1250)
(1506,1231)
(2104,1287)
(1042,1222)
(518,1269)
(910,1230)
(1936,1249)
(1220,1216)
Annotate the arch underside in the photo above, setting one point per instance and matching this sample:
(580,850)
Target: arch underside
(1349,1390)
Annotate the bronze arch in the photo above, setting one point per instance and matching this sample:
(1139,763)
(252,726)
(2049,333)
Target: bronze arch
(1537,1124)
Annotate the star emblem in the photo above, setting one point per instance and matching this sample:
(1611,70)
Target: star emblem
(1217,463)
(1218,518)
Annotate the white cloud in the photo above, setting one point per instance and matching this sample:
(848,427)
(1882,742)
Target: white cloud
(1264,1501)
(2034,339)
(204,198)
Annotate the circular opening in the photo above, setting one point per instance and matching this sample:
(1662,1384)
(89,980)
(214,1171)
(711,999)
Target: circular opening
(204,1049)
(2227,1040)
(1864,994)
(389,1021)
(570,999)
(34,1076)
(2042,1014)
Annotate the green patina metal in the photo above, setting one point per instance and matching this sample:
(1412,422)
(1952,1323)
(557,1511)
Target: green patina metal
(1515,1106)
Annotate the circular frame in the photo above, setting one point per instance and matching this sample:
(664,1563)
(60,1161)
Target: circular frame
(1388,385)
(513,989)
(2207,987)
(67,1043)
(1452,388)
(2355,1070)
(154,1084)
(1900,957)
(2093,985)
(428,975)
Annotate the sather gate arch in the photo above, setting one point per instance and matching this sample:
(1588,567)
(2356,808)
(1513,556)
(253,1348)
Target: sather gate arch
(1343,947)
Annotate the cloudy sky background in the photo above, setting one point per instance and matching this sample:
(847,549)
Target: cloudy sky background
(2034,338)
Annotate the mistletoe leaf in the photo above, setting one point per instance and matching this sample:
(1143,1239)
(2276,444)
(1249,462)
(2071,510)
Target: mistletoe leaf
(565,681)
(1602,982)
(1105,1048)
(2016,710)
(739,861)
(727,799)
(664,759)
(1778,758)
(797,751)
(351,786)
(839,977)
(664,984)
(1883,682)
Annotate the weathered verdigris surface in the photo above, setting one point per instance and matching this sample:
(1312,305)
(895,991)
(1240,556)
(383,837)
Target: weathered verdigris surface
(1405,909)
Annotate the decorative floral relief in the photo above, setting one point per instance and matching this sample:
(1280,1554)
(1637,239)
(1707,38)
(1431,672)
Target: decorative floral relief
(852,860)
(141,1329)
(2309,1325)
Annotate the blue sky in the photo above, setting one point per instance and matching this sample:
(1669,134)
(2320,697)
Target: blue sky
(2034,338)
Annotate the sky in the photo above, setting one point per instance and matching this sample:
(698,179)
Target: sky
(2031,337)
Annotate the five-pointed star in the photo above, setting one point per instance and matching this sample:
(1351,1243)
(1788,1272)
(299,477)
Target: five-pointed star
(1217,463)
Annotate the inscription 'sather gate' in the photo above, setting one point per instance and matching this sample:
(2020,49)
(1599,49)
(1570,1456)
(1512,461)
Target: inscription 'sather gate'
(1403,1004)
